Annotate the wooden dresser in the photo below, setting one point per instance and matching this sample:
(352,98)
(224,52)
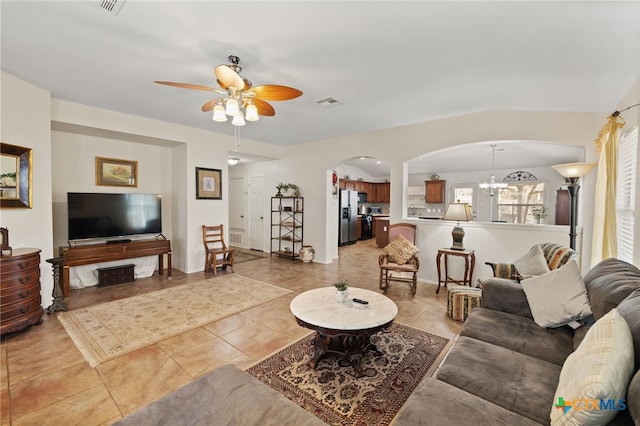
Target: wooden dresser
(20,301)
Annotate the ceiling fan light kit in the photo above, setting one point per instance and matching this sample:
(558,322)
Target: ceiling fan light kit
(239,94)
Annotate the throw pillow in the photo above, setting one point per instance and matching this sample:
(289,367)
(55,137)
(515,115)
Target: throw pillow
(557,297)
(532,264)
(600,369)
(400,250)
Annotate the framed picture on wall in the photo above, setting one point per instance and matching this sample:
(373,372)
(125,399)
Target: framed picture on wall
(208,184)
(116,172)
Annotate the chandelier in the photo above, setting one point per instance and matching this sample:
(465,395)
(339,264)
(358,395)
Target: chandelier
(492,187)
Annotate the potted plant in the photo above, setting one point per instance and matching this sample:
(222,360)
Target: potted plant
(342,291)
(539,213)
(287,190)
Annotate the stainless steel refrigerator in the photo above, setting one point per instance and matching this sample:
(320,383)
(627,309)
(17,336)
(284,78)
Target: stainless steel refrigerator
(348,217)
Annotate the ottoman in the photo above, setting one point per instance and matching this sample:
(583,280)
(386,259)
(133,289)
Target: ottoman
(461,300)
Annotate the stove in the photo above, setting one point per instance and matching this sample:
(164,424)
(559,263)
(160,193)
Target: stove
(366,232)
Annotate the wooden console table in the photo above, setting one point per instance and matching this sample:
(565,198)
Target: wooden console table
(96,253)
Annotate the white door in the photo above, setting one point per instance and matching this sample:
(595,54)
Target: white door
(238,218)
(256,213)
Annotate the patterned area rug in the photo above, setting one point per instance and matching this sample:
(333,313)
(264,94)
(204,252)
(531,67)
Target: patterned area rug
(335,395)
(111,329)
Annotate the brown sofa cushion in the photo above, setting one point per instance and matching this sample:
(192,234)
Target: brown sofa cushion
(520,383)
(519,334)
(609,283)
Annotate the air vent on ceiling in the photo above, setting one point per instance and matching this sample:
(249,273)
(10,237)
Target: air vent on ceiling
(329,102)
(111,6)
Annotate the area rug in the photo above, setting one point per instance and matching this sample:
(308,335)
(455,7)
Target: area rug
(335,395)
(111,329)
(243,256)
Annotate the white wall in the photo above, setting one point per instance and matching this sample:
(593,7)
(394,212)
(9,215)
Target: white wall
(309,162)
(73,161)
(491,242)
(26,122)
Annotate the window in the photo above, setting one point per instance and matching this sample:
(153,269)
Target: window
(517,201)
(463,195)
(626,194)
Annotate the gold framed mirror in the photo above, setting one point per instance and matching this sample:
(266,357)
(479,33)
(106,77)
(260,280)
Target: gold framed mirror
(16,170)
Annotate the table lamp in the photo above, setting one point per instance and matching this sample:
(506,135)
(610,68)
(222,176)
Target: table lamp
(460,212)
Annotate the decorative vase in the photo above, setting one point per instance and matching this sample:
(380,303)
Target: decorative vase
(341,296)
(307,253)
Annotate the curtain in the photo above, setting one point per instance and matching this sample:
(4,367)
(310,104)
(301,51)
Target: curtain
(604,221)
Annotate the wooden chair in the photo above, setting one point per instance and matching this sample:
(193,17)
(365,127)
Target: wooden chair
(389,268)
(217,254)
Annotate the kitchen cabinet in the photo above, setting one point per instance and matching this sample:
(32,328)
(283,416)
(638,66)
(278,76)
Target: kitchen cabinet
(434,191)
(377,192)
(383,192)
(359,228)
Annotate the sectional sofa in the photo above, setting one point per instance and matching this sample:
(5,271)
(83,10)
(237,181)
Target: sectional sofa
(505,369)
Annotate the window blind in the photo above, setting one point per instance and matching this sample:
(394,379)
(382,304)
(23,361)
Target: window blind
(626,193)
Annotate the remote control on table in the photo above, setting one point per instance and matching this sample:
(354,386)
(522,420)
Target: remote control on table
(360,301)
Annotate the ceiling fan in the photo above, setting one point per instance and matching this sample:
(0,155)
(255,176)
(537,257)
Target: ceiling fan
(238,94)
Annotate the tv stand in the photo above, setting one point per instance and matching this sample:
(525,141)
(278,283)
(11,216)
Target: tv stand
(124,240)
(96,253)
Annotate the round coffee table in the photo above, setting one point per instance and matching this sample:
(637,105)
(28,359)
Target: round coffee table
(342,329)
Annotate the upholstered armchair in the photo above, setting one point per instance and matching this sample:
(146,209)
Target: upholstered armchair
(555,255)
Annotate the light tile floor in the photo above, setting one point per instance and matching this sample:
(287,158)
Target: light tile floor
(45,380)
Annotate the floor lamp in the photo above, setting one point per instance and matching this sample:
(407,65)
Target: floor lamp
(572,172)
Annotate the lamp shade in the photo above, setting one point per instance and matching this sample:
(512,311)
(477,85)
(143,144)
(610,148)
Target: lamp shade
(573,170)
(252,113)
(238,120)
(232,161)
(218,113)
(460,212)
(232,107)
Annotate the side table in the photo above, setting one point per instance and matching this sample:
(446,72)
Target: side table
(469,265)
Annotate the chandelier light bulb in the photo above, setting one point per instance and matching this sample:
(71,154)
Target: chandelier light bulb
(232,107)
(252,113)
(238,120)
(218,113)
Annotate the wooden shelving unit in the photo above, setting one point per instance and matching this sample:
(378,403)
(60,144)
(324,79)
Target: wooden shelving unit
(287,226)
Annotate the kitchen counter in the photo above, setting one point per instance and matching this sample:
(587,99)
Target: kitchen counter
(382,231)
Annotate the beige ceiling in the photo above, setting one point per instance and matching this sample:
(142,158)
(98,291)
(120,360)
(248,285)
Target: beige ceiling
(388,63)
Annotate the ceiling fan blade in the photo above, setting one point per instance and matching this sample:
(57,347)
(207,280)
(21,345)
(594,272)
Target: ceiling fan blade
(228,78)
(186,85)
(209,105)
(264,108)
(274,92)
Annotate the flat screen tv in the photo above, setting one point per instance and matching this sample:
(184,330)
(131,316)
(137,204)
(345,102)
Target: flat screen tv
(104,215)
